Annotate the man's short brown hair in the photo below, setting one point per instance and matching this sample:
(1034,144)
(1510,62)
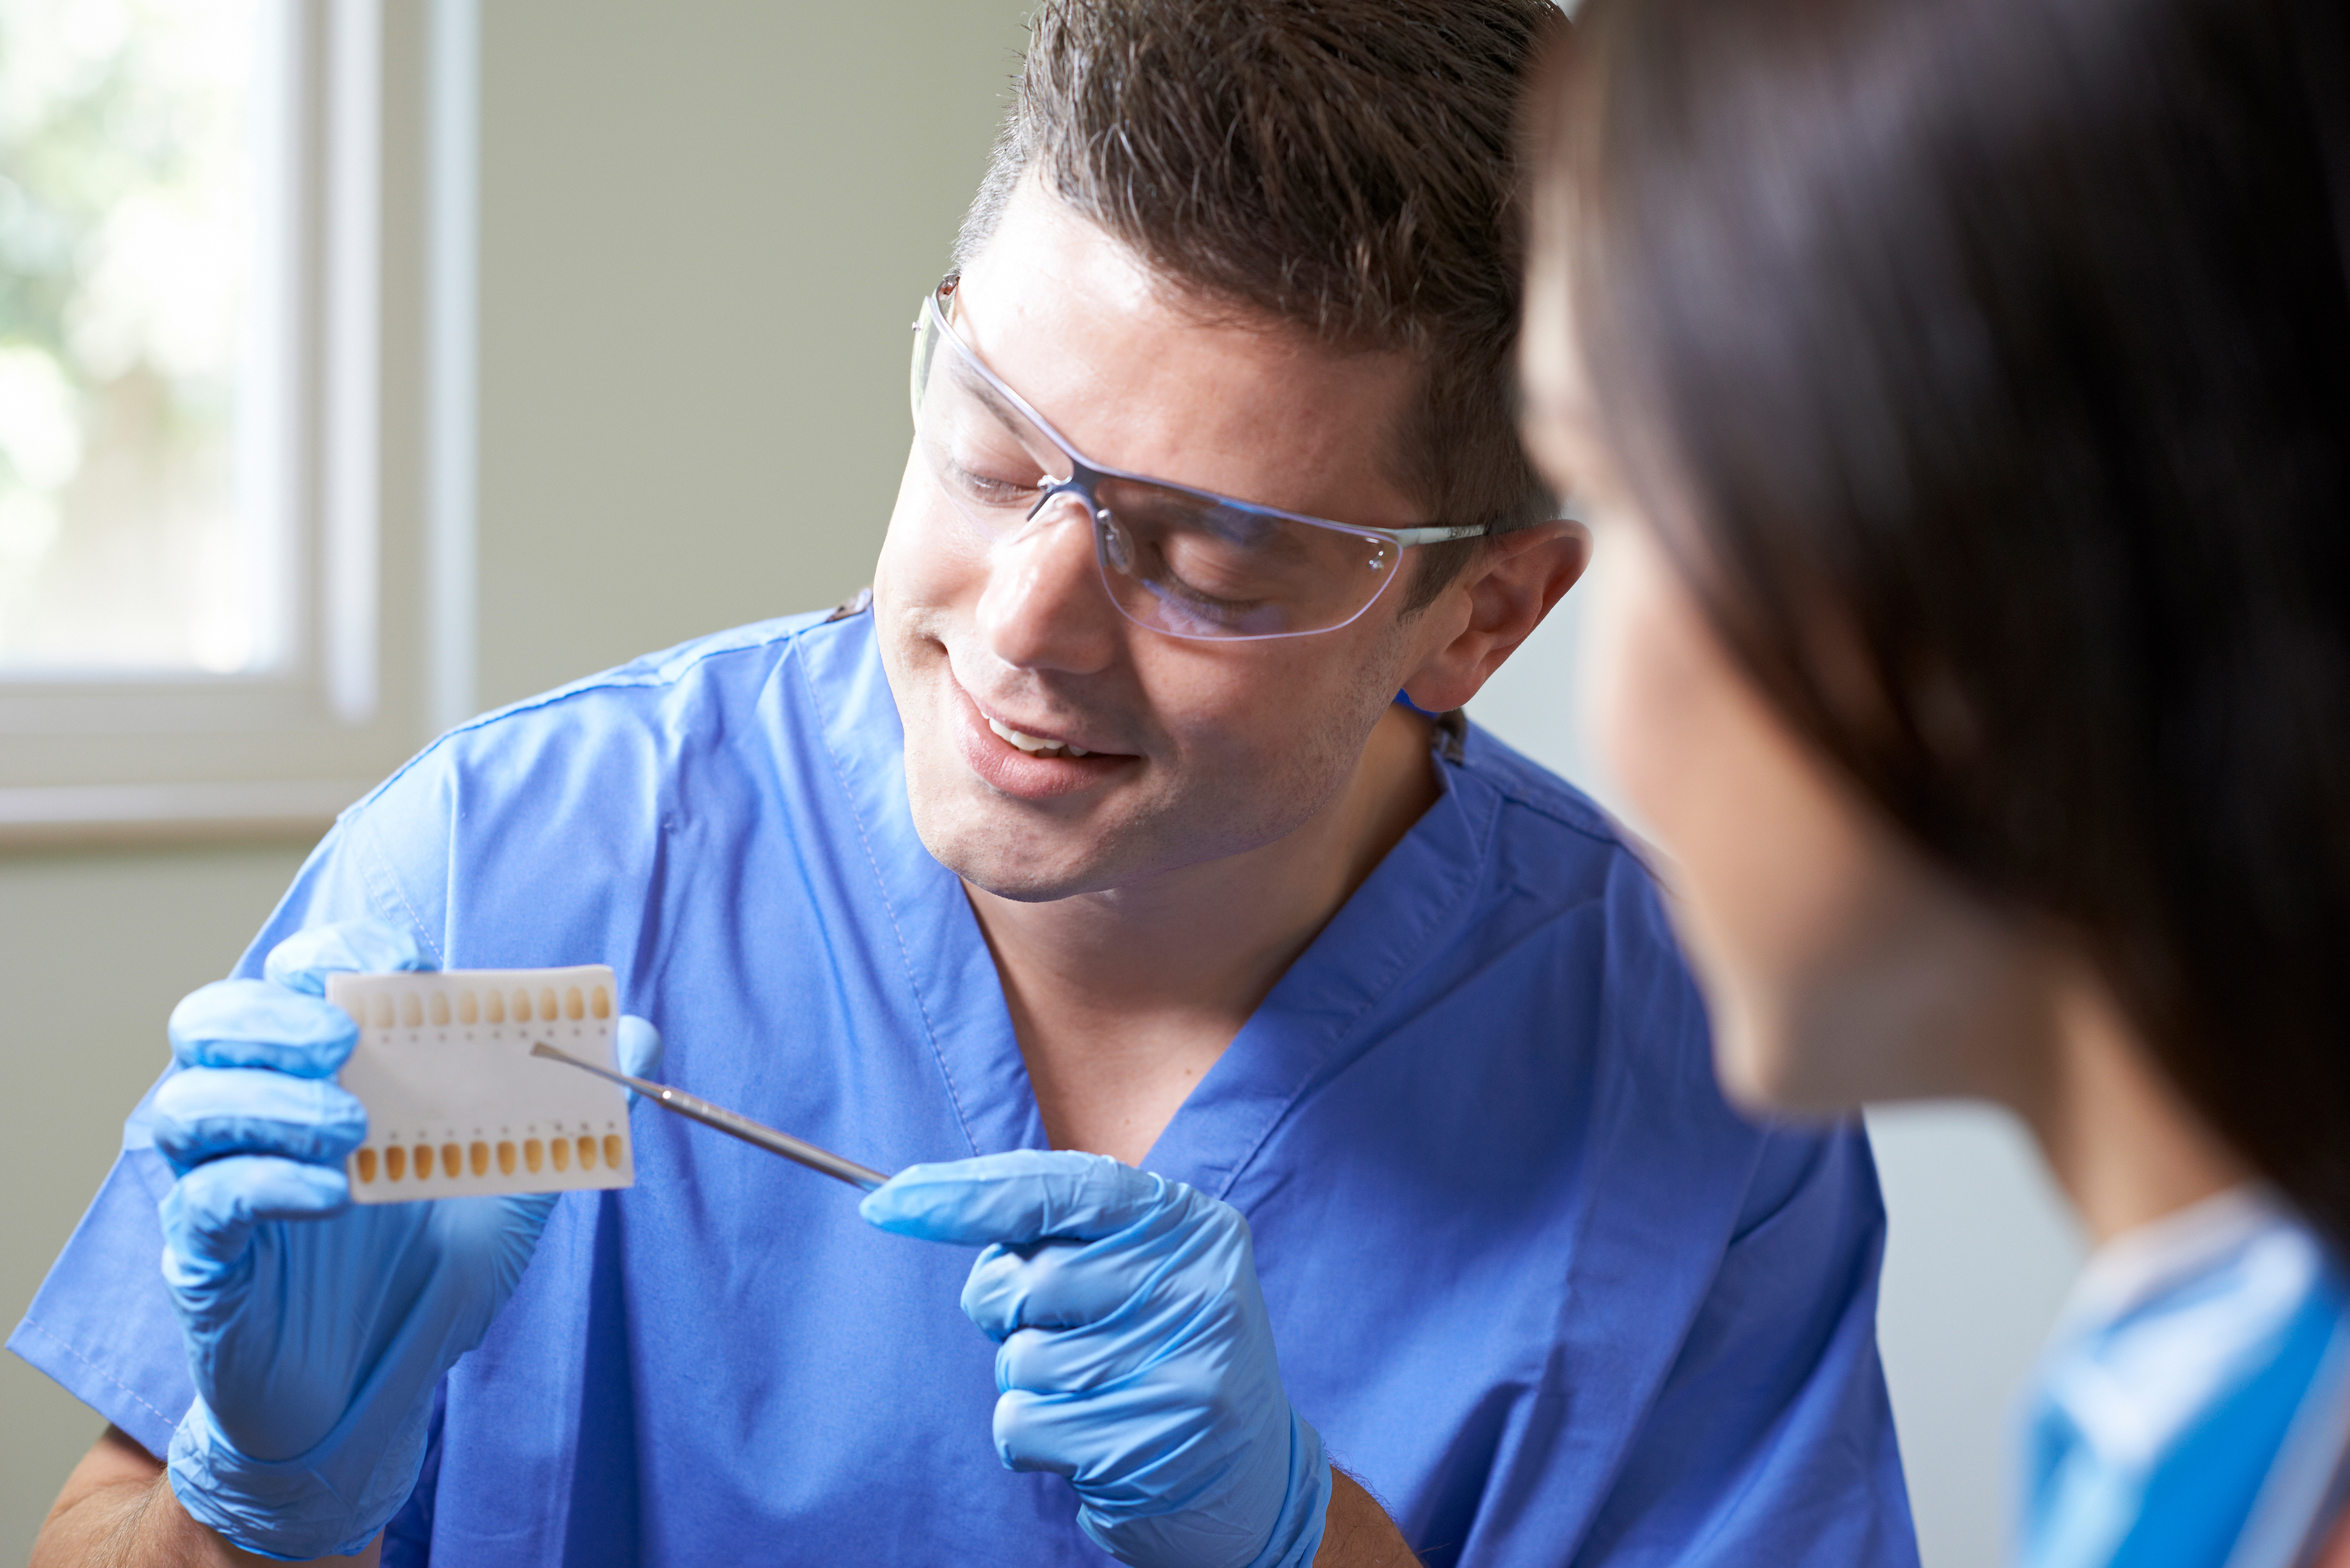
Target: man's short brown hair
(1341,166)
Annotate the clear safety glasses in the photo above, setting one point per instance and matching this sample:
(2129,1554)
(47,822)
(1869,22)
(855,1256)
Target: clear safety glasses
(1181,561)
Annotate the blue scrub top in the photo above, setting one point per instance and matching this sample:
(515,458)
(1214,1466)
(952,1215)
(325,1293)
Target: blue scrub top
(1529,1275)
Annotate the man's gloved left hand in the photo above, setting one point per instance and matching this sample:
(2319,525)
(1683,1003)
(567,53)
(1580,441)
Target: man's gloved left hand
(1136,1358)
(316,1331)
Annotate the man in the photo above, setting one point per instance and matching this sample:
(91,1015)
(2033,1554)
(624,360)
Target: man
(1100,828)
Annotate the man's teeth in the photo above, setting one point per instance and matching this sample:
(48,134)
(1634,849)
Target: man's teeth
(1031,743)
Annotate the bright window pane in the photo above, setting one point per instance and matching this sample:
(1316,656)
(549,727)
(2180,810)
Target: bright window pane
(132,534)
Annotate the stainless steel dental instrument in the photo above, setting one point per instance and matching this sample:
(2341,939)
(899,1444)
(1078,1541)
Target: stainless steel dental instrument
(728,1122)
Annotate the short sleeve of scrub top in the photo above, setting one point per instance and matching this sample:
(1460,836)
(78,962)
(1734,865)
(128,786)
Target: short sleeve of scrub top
(1533,1280)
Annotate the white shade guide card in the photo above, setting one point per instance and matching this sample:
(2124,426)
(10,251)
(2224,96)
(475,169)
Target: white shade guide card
(456,1104)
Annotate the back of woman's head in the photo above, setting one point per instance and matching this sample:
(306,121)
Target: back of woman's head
(1986,366)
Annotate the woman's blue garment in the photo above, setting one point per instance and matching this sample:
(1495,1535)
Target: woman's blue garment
(1526,1273)
(2190,1411)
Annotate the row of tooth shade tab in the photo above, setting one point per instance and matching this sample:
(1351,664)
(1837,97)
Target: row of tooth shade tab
(399,1159)
(491,1005)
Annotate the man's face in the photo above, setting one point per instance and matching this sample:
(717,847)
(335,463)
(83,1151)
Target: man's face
(1196,750)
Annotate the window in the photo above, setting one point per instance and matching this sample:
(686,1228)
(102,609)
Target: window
(135,215)
(234,249)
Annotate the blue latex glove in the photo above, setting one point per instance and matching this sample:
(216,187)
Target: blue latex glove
(1136,1358)
(316,1331)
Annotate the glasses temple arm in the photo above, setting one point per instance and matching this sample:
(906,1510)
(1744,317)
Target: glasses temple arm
(1409,536)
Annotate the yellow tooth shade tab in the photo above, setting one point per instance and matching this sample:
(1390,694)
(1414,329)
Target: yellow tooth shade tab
(452,1159)
(533,1153)
(363,1162)
(573,1008)
(506,1157)
(395,1163)
(600,1002)
(479,1157)
(586,1152)
(612,1150)
(559,1152)
(423,1162)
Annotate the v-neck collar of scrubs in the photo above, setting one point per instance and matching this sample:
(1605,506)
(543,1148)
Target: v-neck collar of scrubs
(1297,1036)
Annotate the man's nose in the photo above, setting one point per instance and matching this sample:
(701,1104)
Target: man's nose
(1044,606)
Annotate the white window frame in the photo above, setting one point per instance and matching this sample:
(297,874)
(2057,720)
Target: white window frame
(376,472)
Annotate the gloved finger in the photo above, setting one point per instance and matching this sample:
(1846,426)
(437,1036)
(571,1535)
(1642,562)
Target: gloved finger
(303,961)
(1189,1249)
(1024,1196)
(204,1113)
(638,1045)
(1074,1360)
(209,1214)
(255,1023)
(1120,1432)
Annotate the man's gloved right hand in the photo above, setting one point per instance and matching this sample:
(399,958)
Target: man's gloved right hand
(316,1331)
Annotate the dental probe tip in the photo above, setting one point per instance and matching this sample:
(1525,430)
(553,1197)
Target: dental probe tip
(731,1123)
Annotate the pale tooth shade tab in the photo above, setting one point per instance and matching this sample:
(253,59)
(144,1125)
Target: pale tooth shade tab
(522,1005)
(440,1010)
(469,1010)
(382,1011)
(496,1011)
(600,1002)
(546,1010)
(411,1011)
(573,1008)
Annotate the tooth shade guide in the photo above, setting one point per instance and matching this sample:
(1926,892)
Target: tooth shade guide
(443,1064)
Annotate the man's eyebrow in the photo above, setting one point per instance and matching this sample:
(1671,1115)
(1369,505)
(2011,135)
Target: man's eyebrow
(968,373)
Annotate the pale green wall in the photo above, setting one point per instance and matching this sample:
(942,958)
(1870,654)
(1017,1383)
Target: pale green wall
(706,225)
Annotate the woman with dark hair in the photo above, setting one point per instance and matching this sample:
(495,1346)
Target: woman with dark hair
(1963,387)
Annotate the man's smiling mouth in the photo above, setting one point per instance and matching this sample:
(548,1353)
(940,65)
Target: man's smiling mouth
(1031,744)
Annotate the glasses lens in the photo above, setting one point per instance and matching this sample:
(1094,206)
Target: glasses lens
(988,457)
(1193,565)
(1175,560)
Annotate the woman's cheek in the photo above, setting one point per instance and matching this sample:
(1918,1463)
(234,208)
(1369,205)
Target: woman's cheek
(1763,861)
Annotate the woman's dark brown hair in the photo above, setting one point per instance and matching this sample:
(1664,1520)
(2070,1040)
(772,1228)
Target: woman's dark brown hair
(1986,364)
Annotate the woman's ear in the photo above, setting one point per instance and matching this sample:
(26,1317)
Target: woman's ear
(1495,605)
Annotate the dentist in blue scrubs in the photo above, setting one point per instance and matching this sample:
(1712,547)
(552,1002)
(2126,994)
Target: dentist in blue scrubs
(1307,1148)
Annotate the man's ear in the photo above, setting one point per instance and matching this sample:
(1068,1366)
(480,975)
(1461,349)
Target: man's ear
(1495,605)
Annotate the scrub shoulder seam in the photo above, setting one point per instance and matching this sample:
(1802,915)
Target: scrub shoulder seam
(648,671)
